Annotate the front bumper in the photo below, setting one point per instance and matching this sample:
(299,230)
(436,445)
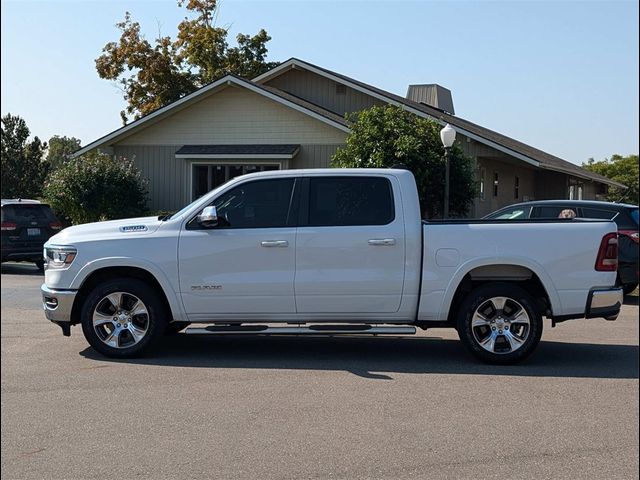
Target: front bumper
(604,303)
(57,304)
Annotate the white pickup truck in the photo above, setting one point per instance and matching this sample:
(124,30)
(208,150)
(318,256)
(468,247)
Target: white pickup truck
(327,252)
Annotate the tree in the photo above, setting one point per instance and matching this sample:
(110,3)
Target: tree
(384,136)
(154,75)
(23,166)
(96,187)
(59,150)
(621,169)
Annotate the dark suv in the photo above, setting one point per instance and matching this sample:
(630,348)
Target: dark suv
(26,225)
(625,216)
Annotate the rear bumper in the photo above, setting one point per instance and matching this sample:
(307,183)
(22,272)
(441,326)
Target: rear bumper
(604,303)
(57,304)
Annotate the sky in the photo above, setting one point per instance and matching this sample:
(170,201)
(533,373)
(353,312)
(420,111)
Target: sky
(561,76)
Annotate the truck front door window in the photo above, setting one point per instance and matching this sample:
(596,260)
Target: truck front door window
(258,204)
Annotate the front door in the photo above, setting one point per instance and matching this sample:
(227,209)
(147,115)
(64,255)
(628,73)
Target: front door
(246,264)
(350,254)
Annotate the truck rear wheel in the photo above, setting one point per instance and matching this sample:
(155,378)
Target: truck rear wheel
(123,317)
(499,324)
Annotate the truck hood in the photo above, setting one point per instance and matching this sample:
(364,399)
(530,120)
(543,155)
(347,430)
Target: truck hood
(129,227)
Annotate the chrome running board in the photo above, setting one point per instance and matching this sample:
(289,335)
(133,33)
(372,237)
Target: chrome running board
(307,330)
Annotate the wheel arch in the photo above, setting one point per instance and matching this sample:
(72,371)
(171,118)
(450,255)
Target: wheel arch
(530,277)
(104,273)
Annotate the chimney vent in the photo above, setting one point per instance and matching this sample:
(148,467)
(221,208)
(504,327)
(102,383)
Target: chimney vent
(433,95)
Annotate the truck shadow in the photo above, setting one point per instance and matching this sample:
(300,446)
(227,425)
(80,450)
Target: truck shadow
(23,268)
(379,358)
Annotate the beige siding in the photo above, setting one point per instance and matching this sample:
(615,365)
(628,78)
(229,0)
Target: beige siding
(590,191)
(165,173)
(315,156)
(551,185)
(169,177)
(236,115)
(507,174)
(322,91)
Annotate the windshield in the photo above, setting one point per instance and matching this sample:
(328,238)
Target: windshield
(184,209)
(197,200)
(518,213)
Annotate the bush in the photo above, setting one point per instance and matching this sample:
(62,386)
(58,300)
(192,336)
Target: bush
(384,136)
(96,187)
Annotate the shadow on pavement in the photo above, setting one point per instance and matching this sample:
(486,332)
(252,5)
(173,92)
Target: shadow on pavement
(25,268)
(630,300)
(378,358)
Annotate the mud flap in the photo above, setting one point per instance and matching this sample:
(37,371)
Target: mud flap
(66,328)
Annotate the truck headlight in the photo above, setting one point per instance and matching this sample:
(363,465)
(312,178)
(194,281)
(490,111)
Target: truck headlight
(59,257)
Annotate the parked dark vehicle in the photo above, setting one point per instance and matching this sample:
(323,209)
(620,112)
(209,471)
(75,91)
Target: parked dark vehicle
(26,226)
(625,216)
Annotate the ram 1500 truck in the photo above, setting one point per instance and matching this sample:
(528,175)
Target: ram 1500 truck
(327,251)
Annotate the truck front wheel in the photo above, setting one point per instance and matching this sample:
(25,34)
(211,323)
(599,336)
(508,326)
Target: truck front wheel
(123,317)
(498,323)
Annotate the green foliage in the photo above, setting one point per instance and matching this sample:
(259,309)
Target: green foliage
(621,169)
(386,136)
(96,187)
(59,150)
(154,75)
(23,164)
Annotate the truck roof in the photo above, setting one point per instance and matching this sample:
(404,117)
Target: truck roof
(330,171)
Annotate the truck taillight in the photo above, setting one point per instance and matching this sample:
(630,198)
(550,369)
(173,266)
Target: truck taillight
(8,226)
(55,226)
(607,260)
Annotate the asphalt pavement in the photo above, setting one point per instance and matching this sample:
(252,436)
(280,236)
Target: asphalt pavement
(297,407)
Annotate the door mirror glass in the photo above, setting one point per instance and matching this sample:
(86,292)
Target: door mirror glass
(208,218)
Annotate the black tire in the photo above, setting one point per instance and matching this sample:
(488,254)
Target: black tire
(154,321)
(175,327)
(40,265)
(629,288)
(501,352)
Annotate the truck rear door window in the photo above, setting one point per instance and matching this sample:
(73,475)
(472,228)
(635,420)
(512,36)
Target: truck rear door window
(347,201)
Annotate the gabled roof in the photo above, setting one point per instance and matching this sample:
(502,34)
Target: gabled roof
(500,142)
(279,96)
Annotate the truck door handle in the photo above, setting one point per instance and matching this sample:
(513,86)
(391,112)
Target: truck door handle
(382,241)
(274,243)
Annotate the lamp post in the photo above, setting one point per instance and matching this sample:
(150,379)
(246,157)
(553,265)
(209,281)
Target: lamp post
(448,136)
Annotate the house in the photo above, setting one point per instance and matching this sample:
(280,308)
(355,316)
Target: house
(293,116)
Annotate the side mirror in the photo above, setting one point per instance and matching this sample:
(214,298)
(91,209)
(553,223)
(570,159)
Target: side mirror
(208,218)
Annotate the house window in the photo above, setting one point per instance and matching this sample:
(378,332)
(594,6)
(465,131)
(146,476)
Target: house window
(516,188)
(495,184)
(482,181)
(575,190)
(207,177)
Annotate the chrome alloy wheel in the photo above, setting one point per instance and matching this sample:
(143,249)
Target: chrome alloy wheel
(120,320)
(500,325)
